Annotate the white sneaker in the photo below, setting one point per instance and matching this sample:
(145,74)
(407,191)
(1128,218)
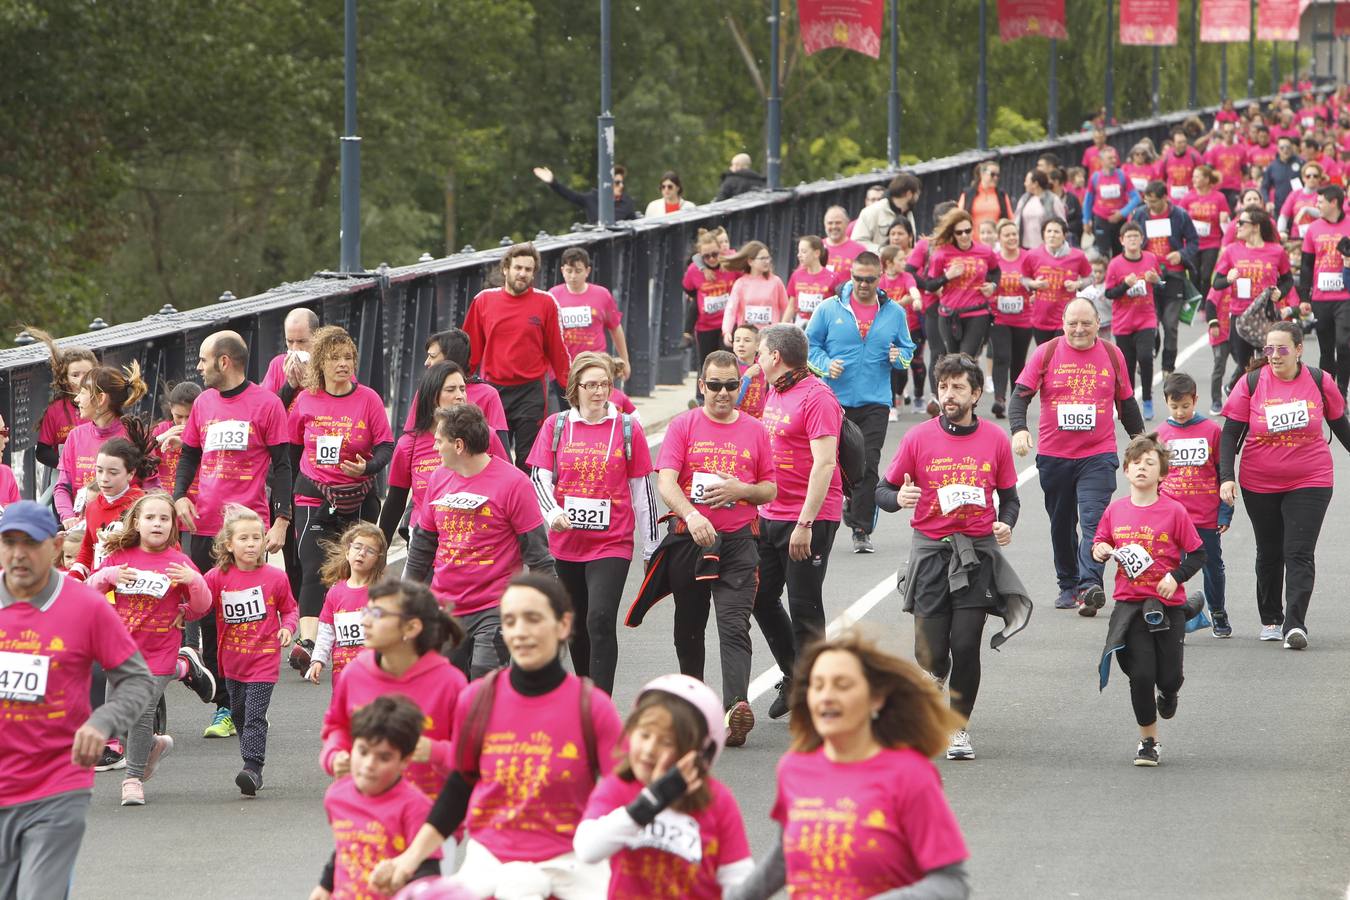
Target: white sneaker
(960,747)
(1271,633)
(1296,639)
(893,415)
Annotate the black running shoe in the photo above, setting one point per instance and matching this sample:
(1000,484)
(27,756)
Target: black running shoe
(249,782)
(109,760)
(1092,598)
(779,707)
(1167,706)
(1147,754)
(198,678)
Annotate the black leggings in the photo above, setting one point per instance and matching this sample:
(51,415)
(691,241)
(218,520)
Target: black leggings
(937,345)
(1009,345)
(948,646)
(1285,527)
(1207,260)
(1152,660)
(596,588)
(900,377)
(1240,350)
(974,330)
(200,552)
(316,528)
(1137,349)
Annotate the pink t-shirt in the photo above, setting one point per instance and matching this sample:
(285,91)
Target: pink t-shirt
(851,830)
(1047,311)
(1134,311)
(1228,160)
(865,313)
(234,434)
(1178,169)
(1204,210)
(1299,211)
(415,458)
(1078,397)
(60,417)
(333,430)
(432,682)
(806,412)
(367,830)
(343,600)
(711,295)
(1284,449)
(1110,193)
(9,488)
(76,628)
(695,443)
(1011,303)
(1193,468)
(1140,175)
(592,484)
(756,392)
(78,454)
(842,255)
(275,379)
(756,301)
(149,606)
(168,463)
(251,607)
(480,394)
(661,863)
(622,401)
(477,520)
(1319,242)
(1149,540)
(534,777)
(918,258)
(810,290)
(1262,267)
(585,317)
(957,475)
(962,294)
(897,287)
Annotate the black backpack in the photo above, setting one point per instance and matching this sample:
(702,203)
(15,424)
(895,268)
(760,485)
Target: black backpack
(851,454)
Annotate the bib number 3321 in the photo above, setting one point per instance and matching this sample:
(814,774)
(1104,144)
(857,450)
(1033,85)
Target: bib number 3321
(587,513)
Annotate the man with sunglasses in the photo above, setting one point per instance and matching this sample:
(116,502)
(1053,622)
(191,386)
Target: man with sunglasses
(589,201)
(1282,176)
(857,338)
(715,468)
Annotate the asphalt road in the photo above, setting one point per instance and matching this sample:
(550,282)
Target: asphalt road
(1252,798)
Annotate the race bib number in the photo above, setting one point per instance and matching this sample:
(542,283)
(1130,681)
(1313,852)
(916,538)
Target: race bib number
(81,498)
(327,449)
(228,435)
(1307,122)
(808,302)
(239,607)
(1177,191)
(587,513)
(674,833)
(1287,416)
(1188,452)
(1139,183)
(1133,560)
(145,584)
(1012,304)
(1330,281)
(462,500)
(23,676)
(953,496)
(348,629)
(1138,289)
(1202,228)
(715,304)
(1076,416)
(1109,191)
(759,315)
(576,317)
(1157,228)
(698,488)
(1244,288)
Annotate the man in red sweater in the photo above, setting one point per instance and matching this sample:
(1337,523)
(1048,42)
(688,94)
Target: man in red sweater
(516,335)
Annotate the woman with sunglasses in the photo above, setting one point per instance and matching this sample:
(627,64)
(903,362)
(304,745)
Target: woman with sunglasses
(964,274)
(1300,207)
(1245,268)
(671,199)
(1276,416)
(589,467)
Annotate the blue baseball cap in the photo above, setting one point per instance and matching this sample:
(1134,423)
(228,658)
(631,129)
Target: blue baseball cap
(33,519)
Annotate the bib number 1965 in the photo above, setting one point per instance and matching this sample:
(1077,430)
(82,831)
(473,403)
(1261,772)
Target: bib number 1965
(1076,416)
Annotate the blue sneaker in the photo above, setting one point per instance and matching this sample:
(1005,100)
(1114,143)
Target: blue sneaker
(1067,599)
(1148,410)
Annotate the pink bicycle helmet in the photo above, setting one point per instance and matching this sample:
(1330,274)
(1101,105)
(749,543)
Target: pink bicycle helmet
(702,698)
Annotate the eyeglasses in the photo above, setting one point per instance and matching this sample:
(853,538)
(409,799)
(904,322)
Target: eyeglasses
(1245,222)
(596,385)
(364,550)
(667,185)
(713,387)
(379,612)
(764,258)
(960,231)
(1282,350)
(618,182)
(868,279)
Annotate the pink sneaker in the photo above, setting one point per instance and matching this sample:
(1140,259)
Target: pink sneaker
(133,794)
(163,744)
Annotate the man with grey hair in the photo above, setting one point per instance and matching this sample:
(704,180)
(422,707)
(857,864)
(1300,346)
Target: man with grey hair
(739,178)
(797,527)
(286,371)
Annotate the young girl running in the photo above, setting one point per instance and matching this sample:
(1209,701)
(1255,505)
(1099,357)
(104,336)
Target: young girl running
(1156,548)
(102,398)
(255,618)
(69,366)
(354,563)
(119,465)
(155,588)
(668,828)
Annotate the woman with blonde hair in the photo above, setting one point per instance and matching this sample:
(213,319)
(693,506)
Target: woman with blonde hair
(340,436)
(864,727)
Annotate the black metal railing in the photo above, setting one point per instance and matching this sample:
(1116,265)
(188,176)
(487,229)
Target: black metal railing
(390,312)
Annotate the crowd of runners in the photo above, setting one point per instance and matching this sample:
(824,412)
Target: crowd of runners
(470,716)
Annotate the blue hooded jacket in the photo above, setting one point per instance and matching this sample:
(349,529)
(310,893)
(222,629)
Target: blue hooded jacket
(833,334)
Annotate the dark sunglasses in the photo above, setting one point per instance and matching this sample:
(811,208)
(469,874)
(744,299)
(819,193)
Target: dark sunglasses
(713,387)
(866,279)
(961,231)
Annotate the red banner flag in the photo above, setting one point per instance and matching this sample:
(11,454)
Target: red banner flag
(1277,20)
(1225,21)
(1341,25)
(1031,18)
(850,24)
(1149,22)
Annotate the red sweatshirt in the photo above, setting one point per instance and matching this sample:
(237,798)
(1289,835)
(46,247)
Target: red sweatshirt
(102,518)
(515,339)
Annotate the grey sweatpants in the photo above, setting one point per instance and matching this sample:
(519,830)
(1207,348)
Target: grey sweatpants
(39,842)
(141,737)
(482,649)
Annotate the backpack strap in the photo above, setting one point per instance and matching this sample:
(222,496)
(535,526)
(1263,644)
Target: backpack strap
(470,743)
(1050,347)
(559,422)
(627,436)
(588,729)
